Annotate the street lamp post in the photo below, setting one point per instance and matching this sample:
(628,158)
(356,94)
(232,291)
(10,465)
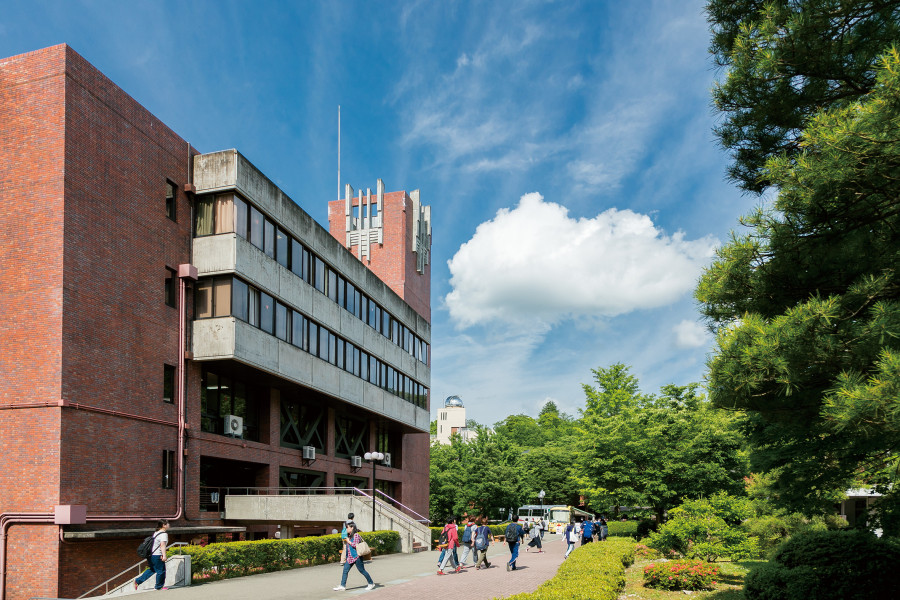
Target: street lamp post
(541,495)
(374,457)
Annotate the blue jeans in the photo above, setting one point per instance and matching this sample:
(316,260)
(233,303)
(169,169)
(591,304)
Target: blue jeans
(362,569)
(571,547)
(514,552)
(158,566)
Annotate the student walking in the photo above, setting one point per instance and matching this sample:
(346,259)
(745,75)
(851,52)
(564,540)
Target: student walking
(468,543)
(571,536)
(452,538)
(604,529)
(587,534)
(535,539)
(353,540)
(157,558)
(514,534)
(483,539)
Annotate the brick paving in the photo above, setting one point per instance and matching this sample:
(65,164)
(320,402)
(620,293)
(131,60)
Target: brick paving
(398,577)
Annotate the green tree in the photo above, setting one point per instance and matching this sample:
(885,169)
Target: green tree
(616,390)
(661,450)
(520,430)
(549,469)
(806,307)
(786,60)
(475,477)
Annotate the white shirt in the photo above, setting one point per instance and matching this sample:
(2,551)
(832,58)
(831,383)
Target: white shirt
(159,538)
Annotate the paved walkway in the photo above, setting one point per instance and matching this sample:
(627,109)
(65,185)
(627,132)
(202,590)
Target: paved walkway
(398,577)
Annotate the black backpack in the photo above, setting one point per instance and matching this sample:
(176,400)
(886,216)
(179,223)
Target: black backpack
(443,540)
(512,532)
(145,549)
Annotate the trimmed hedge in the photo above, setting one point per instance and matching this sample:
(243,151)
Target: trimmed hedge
(236,559)
(828,565)
(592,572)
(622,528)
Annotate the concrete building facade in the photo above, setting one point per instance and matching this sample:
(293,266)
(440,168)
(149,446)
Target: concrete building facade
(175,329)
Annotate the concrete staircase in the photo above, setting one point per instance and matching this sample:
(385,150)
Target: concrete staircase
(178,574)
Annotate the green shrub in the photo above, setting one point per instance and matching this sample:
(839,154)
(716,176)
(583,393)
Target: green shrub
(622,528)
(706,529)
(592,572)
(681,575)
(771,530)
(828,565)
(645,527)
(236,559)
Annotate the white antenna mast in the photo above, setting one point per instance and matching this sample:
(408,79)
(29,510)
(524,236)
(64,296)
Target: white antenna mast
(339,152)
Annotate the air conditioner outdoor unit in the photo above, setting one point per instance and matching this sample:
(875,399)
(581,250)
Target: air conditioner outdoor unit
(234,426)
(309,452)
(387,459)
(356,461)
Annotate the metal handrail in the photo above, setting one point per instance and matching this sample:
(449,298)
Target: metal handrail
(388,507)
(116,576)
(398,503)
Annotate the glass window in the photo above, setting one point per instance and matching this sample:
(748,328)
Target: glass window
(256,227)
(296,258)
(168,469)
(266,313)
(170,287)
(341,283)
(224,214)
(299,331)
(356,364)
(373,370)
(240,217)
(282,243)
(320,274)
(269,232)
(326,345)
(307,266)
(253,306)
(356,298)
(239,303)
(282,322)
(203,219)
(351,298)
(395,331)
(364,308)
(332,285)
(339,356)
(363,365)
(170,200)
(203,299)
(386,324)
(222,297)
(313,339)
(169,383)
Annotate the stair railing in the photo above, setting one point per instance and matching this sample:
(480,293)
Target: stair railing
(140,569)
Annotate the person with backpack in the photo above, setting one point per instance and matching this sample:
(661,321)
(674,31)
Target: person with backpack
(514,534)
(587,533)
(352,541)
(604,529)
(450,537)
(571,536)
(468,543)
(483,539)
(157,558)
(543,527)
(344,537)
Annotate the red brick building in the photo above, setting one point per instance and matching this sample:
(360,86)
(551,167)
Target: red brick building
(173,329)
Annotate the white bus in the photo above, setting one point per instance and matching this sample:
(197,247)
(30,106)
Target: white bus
(560,516)
(532,513)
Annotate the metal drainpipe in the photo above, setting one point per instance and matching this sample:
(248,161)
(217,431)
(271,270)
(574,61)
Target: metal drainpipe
(6,521)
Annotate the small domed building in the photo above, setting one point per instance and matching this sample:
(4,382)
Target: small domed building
(452,419)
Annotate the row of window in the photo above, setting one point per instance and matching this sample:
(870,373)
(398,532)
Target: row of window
(231,296)
(229,213)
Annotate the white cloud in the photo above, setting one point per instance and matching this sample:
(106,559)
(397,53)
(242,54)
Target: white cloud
(690,334)
(534,262)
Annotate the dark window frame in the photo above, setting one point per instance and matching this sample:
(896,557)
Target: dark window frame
(172,201)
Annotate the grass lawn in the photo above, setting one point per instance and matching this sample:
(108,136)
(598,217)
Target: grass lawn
(729,586)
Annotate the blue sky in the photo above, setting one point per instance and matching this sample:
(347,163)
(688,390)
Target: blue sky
(565,149)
